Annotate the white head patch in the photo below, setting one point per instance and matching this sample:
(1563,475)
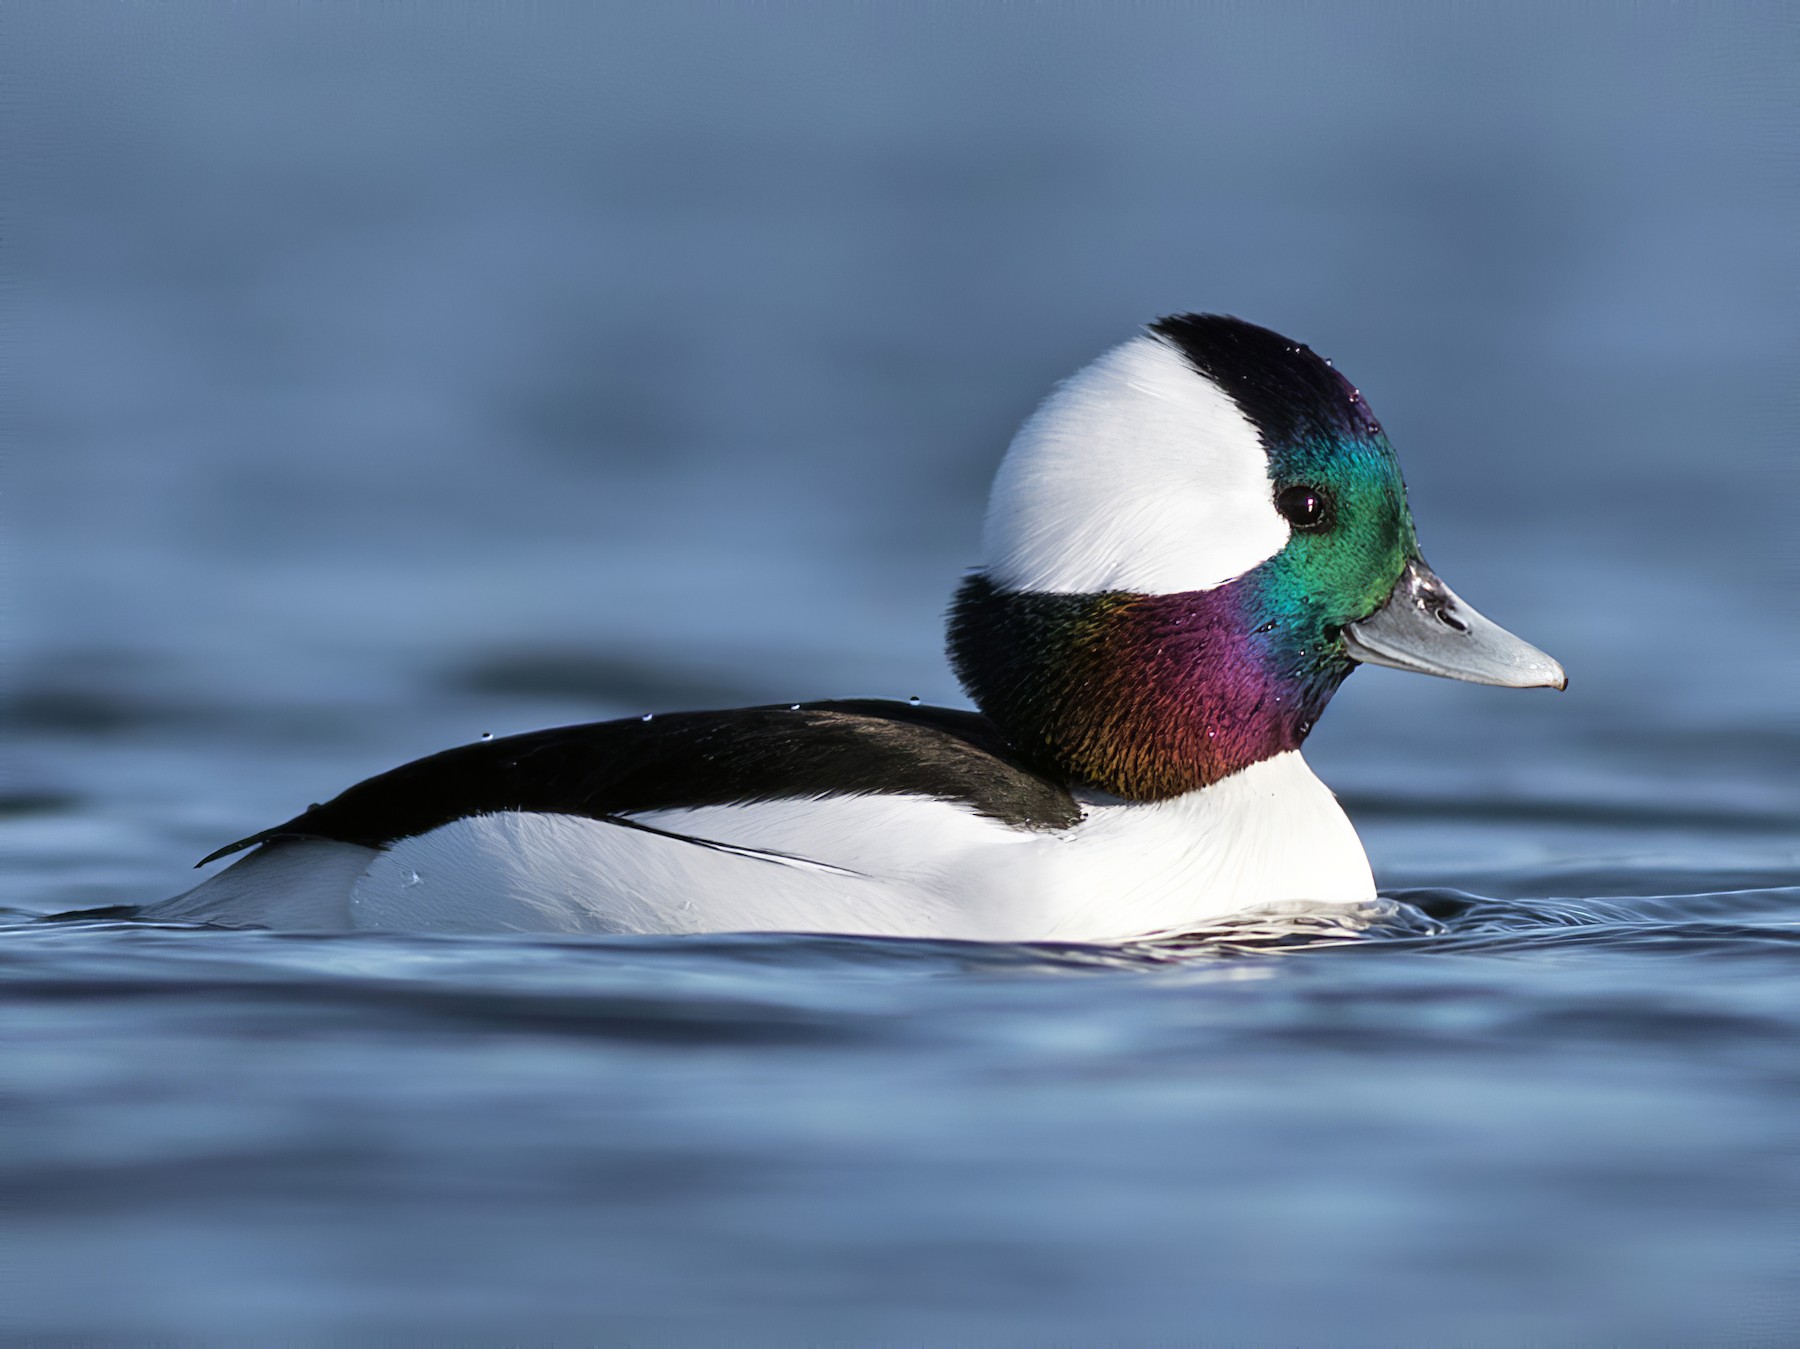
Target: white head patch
(1137,473)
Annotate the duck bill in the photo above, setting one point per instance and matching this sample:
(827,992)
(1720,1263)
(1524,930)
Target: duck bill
(1424,626)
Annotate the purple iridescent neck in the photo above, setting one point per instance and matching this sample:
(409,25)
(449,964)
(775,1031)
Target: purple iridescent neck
(1143,697)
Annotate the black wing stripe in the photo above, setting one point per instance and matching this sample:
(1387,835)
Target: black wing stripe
(735,849)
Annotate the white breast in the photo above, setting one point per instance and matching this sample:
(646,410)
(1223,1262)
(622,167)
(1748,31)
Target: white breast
(1270,834)
(882,865)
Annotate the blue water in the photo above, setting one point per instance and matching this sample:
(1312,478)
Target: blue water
(381,380)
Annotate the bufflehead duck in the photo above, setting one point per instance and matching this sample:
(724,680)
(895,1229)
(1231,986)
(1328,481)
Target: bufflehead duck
(1188,547)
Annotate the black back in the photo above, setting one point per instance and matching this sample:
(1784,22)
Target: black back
(608,769)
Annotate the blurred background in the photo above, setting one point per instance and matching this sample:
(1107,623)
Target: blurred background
(380,376)
(384,376)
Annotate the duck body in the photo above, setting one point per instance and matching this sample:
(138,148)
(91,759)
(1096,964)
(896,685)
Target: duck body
(1190,546)
(858,816)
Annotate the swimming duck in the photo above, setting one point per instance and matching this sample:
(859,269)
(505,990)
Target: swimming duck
(1189,545)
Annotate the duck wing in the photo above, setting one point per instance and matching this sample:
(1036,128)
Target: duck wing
(611,770)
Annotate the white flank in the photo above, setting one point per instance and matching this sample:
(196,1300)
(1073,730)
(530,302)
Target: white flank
(1136,474)
(890,865)
(1267,835)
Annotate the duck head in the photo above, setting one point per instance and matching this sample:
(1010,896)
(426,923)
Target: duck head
(1189,546)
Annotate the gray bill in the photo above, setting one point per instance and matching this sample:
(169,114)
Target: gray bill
(1424,626)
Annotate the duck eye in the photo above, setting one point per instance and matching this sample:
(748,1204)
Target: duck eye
(1304,507)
